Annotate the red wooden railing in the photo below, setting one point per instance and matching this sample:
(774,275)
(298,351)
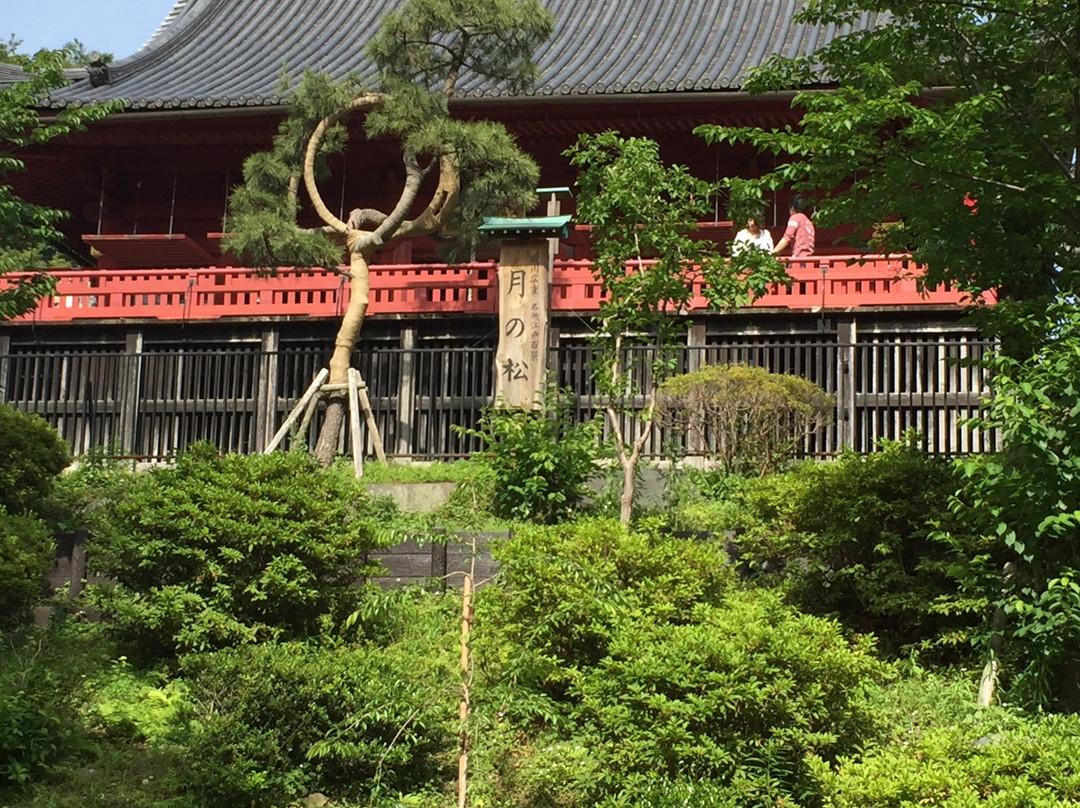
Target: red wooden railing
(210,294)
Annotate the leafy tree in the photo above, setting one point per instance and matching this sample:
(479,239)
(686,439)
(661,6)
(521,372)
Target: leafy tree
(30,229)
(1031,495)
(423,51)
(644,216)
(953,131)
(950,132)
(75,53)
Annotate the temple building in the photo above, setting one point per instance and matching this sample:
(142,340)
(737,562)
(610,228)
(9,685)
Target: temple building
(164,339)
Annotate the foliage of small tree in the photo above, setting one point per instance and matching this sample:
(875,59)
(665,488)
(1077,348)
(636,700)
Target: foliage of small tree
(30,229)
(424,50)
(1030,494)
(643,217)
(540,459)
(74,51)
(747,418)
(229,550)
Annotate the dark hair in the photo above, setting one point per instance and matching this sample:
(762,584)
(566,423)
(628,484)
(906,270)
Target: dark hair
(800,204)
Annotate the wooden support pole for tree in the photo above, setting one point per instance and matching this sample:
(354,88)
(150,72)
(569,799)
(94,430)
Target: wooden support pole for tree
(309,414)
(369,416)
(354,422)
(309,394)
(358,401)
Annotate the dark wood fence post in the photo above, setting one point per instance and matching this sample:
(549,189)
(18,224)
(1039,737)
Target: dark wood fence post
(846,427)
(129,399)
(438,562)
(266,392)
(406,392)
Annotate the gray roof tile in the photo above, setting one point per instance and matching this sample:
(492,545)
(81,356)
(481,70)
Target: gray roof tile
(222,53)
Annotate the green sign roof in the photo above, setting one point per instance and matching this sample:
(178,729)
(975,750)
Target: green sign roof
(545,226)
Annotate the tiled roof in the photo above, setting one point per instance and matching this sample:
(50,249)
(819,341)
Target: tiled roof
(230,53)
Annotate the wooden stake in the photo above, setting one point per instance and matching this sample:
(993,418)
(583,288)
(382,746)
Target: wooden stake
(354,422)
(279,436)
(309,413)
(369,416)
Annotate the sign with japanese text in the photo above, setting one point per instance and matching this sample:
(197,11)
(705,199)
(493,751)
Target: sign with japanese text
(521,359)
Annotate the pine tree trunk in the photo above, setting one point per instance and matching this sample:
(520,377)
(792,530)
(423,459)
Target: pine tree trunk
(341,360)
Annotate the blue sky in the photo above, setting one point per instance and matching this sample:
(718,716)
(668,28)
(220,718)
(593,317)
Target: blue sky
(119,27)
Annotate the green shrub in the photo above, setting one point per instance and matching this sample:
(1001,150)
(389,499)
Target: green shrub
(862,541)
(31,455)
(233,549)
(635,661)
(41,679)
(540,459)
(1034,765)
(747,418)
(26,556)
(563,591)
(275,722)
(742,692)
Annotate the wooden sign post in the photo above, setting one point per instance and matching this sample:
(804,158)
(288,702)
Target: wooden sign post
(524,296)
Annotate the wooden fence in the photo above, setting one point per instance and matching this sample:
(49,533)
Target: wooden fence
(151,401)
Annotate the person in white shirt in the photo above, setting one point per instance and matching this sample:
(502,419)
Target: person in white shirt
(753,235)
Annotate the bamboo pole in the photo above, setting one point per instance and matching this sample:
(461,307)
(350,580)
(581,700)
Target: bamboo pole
(466,671)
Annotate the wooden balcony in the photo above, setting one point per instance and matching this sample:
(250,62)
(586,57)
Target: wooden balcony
(187,295)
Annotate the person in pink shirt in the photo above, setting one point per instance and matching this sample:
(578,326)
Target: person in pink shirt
(800,230)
